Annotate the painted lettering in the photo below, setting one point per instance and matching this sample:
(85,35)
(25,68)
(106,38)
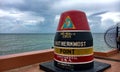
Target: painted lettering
(67,51)
(66,43)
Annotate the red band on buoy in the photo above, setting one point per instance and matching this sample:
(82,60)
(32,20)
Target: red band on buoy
(73,58)
(73,20)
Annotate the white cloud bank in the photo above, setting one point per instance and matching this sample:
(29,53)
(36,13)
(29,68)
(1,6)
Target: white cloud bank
(88,6)
(17,21)
(110,19)
(33,16)
(115,16)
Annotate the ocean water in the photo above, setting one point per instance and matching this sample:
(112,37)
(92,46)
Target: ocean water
(17,43)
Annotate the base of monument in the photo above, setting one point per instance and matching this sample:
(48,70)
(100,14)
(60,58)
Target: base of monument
(98,67)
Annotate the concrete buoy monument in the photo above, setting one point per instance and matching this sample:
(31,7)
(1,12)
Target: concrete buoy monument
(73,43)
(73,46)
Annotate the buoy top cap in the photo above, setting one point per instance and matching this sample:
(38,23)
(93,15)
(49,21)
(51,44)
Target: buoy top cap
(73,20)
(73,11)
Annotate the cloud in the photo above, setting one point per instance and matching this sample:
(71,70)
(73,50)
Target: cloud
(43,15)
(17,21)
(11,2)
(115,16)
(103,20)
(32,16)
(56,20)
(87,6)
(109,19)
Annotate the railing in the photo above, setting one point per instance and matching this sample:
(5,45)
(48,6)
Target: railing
(23,59)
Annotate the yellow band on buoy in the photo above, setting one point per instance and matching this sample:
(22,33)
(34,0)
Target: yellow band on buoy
(73,51)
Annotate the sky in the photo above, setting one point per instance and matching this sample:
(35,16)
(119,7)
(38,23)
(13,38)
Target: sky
(42,16)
